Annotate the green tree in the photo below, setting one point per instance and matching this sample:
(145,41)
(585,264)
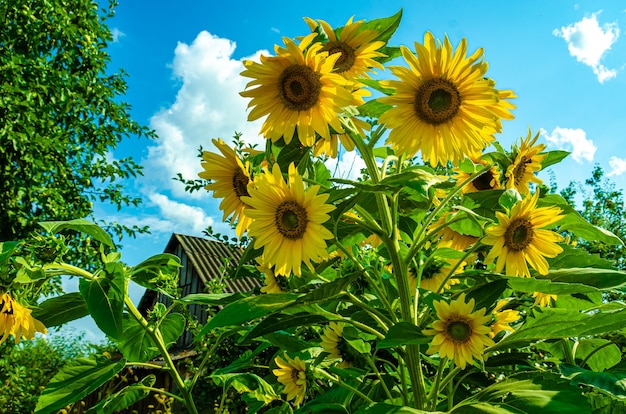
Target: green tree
(26,368)
(60,116)
(603,206)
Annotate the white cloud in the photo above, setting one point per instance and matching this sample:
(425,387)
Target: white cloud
(182,217)
(573,140)
(348,167)
(618,166)
(208,105)
(117,34)
(588,43)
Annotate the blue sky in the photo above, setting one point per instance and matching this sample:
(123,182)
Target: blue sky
(564,59)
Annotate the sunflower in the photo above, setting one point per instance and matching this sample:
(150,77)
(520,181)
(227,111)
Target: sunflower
(443,104)
(543,299)
(16,320)
(459,333)
(229,182)
(519,238)
(436,272)
(357,48)
(292,374)
(333,343)
(288,221)
(273,282)
(503,318)
(527,161)
(489,180)
(297,91)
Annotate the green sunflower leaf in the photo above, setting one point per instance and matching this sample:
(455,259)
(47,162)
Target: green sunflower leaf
(553,157)
(542,392)
(385,26)
(558,323)
(124,398)
(575,223)
(79,225)
(104,297)
(247,309)
(403,333)
(373,109)
(59,310)
(76,380)
(137,345)
(612,381)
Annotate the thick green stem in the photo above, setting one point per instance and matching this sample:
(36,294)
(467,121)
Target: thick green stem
(380,377)
(569,356)
(156,336)
(434,393)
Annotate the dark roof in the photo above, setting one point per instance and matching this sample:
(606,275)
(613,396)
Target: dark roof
(209,257)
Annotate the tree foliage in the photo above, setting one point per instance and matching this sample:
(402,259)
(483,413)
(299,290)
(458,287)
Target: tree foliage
(603,206)
(26,368)
(60,116)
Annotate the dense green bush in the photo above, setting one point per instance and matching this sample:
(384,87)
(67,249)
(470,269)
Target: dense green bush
(26,368)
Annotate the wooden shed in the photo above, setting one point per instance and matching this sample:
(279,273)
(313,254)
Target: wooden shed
(203,261)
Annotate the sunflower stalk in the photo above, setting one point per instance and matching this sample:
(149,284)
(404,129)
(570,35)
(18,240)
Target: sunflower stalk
(155,335)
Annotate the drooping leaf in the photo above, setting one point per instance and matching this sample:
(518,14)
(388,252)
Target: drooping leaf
(137,345)
(104,296)
(124,398)
(59,310)
(76,380)
(79,225)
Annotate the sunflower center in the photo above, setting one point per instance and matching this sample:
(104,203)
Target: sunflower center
(299,87)
(437,101)
(459,330)
(520,169)
(483,181)
(291,219)
(432,269)
(240,183)
(347,58)
(519,234)
(295,375)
